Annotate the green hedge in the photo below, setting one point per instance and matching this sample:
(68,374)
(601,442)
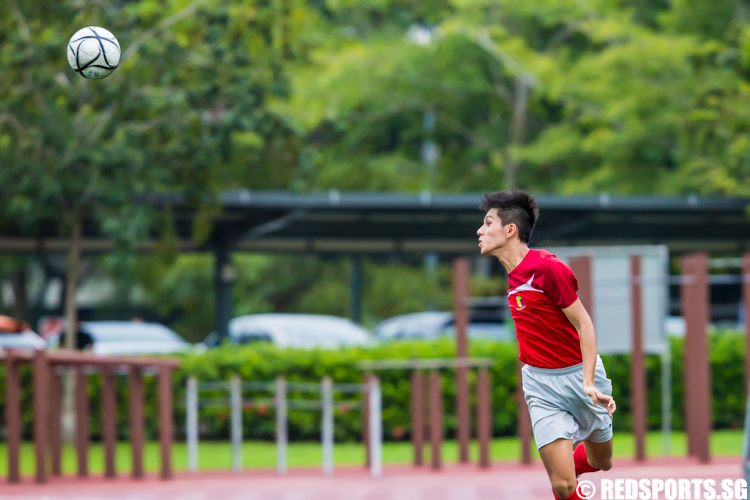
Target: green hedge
(265,362)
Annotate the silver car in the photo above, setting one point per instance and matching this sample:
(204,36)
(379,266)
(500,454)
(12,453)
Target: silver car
(109,338)
(431,325)
(298,330)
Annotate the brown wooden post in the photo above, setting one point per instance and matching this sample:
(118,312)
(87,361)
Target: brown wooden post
(695,309)
(524,419)
(366,419)
(417,417)
(13,415)
(637,361)
(55,424)
(165,420)
(109,420)
(461,321)
(484,417)
(436,419)
(41,416)
(136,420)
(582,267)
(82,421)
(746,302)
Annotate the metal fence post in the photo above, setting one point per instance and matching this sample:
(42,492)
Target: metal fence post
(281,426)
(436,419)
(484,417)
(192,424)
(327,426)
(236,403)
(417,417)
(376,428)
(41,381)
(13,415)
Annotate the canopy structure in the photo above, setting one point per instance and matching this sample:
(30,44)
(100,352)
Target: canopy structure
(377,223)
(349,223)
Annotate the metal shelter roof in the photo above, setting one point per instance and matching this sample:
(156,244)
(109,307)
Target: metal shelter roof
(351,222)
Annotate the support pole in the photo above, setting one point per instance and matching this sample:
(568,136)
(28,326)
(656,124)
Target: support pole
(192,424)
(223,279)
(746,303)
(484,417)
(583,269)
(281,427)
(356,288)
(82,420)
(236,401)
(13,415)
(417,417)
(135,381)
(524,419)
(376,428)
(695,309)
(637,360)
(327,426)
(109,420)
(461,321)
(55,422)
(165,420)
(436,419)
(41,381)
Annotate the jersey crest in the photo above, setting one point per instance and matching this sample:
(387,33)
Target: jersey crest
(519,303)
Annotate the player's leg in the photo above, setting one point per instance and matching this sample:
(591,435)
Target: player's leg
(599,455)
(594,453)
(557,457)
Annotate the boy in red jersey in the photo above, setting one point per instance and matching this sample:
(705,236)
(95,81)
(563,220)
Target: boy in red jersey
(564,382)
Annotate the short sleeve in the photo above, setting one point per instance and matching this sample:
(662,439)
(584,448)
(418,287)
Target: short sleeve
(560,284)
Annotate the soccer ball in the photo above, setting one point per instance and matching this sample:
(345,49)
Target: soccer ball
(94,53)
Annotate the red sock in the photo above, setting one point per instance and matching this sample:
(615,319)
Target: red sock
(574,496)
(581,461)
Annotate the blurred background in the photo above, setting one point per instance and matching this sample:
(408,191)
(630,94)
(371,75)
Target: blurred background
(135,204)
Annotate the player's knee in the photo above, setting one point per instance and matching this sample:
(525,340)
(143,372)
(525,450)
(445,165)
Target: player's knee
(563,488)
(602,464)
(606,464)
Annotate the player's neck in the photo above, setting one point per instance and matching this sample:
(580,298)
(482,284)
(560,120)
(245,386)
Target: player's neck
(511,254)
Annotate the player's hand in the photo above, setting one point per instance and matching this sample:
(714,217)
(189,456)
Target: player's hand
(598,397)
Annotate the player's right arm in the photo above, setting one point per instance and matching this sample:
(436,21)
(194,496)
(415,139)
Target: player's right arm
(581,321)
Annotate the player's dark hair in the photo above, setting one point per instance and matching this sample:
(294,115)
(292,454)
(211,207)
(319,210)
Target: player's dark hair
(513,207)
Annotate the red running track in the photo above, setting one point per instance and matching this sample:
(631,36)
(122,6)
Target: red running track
(503,481)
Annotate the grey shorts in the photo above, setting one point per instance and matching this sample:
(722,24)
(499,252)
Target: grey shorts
(559,408)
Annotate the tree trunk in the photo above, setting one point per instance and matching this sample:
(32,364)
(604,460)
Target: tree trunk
(71,278)
(21,306)
(71,323)
(517,128)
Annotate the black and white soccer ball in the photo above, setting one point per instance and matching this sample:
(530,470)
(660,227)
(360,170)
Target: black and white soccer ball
(94,53)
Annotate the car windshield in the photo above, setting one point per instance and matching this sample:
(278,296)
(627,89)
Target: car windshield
(298,330)
(416,325)
(325,333)
(114,331)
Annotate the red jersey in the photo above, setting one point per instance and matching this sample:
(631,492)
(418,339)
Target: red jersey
(540,287)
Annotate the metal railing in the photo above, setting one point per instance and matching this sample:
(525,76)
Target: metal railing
(371,405)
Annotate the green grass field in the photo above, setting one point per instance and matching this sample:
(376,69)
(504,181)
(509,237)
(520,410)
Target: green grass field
(262,454)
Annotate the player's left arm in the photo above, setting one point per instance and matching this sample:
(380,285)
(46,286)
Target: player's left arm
(581,321)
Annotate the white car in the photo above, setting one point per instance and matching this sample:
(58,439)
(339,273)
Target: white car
(298,330)
(110,338)
(431,325)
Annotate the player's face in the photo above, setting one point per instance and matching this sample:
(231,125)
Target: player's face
(492,234)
